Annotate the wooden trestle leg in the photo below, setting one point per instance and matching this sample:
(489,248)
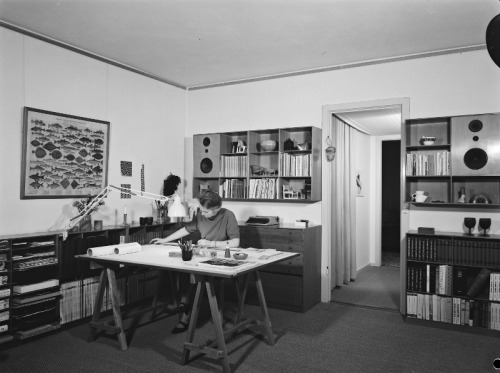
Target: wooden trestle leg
(108,278)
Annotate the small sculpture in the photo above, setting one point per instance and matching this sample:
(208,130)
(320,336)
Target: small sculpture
(461,195)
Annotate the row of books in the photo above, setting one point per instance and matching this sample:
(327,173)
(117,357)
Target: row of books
(233,188)
(78,297)
(295,164)
(478,253)
(430,249)
(429,278)
(495,286)
(453,310)
(461,251)
(430,164)
(265,188)
(232,166)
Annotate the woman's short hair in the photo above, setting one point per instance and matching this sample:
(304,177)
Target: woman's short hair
(209,199)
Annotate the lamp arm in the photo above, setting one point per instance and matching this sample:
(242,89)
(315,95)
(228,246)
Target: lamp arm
(103,194)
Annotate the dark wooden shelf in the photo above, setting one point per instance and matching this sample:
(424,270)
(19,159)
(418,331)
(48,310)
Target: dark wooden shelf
(456,205)
(208,149)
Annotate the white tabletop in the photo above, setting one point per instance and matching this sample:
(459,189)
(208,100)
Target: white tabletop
(158,256)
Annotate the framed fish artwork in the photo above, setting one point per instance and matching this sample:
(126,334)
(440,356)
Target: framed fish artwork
(64,156)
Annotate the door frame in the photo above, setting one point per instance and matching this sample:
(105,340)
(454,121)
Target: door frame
(327,188)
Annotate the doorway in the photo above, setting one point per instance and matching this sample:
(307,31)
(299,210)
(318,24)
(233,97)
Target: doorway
(374,191)
(391,154)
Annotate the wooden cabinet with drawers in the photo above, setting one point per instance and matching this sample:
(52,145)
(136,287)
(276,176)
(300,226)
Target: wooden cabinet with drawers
(293,284)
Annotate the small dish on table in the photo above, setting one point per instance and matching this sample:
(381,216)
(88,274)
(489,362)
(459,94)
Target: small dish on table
(240,256)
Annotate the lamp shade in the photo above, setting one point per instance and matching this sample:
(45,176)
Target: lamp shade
(177,209)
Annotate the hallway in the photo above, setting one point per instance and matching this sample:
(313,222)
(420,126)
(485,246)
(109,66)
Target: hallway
(376,287)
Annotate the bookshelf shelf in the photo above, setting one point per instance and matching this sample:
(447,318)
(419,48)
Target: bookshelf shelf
(453,278)
(453,165)
(42,298)
(255,174)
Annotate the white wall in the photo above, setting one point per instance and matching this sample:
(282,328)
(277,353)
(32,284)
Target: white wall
(147,127)
(446,85)
(439,86)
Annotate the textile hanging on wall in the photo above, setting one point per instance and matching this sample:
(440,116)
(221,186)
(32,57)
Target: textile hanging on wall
(125,195)
(126,168)
(143,183)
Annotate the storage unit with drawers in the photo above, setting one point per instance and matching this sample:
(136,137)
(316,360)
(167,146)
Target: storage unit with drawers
(293,284)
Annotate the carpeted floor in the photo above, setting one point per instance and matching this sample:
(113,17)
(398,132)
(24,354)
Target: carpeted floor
(374,287)
(328,338)
(390,259)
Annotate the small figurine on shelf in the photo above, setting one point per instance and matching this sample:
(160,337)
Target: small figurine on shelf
(461,196)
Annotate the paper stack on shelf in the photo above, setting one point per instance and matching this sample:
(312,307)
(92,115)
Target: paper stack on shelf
(21,289)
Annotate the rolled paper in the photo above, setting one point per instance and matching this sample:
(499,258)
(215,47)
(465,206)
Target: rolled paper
(125,248)
(128,248)
(99,251)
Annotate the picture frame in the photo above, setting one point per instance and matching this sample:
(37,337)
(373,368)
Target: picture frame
(64,156)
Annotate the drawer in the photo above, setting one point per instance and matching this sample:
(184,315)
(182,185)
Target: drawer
(292,266)
(272,235)
(292,248)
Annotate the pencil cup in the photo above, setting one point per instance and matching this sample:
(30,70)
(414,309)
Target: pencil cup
(187,255)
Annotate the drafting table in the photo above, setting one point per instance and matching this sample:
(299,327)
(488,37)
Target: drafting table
(157,256)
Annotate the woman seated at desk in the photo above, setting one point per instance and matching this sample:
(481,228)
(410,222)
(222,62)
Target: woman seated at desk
(217,226)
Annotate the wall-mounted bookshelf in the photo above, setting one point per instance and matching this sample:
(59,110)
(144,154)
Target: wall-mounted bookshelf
(241,166)
(462,160)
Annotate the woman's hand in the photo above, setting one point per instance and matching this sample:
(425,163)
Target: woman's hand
(204,242)
(158,241)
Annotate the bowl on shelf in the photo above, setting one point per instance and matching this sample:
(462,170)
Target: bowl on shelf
(268,145)
(428,140)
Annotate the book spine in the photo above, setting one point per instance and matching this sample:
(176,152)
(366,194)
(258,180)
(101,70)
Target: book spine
(478,283)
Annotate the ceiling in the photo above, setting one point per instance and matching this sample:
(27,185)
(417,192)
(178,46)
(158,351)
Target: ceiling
(205,43)
(380,121)
(201,43)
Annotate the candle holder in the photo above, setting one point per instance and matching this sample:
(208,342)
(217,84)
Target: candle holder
(125,224)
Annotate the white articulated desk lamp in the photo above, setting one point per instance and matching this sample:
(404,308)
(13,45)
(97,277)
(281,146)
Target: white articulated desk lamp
(175,210)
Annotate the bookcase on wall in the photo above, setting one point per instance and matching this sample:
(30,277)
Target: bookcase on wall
(463,159)
(30,297)
(243,166)
(452,278)
(43,287)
